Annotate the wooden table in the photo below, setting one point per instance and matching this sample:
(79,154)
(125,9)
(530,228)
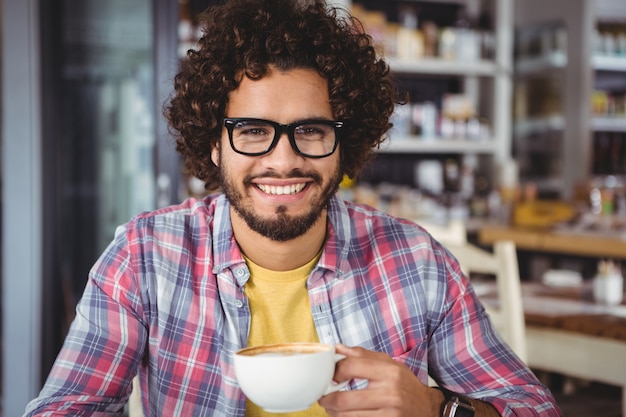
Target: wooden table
(569,334)
(556,241)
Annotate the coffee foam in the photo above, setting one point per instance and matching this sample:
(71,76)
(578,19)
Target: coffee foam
(284,349)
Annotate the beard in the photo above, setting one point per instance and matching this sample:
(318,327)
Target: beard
(283,227)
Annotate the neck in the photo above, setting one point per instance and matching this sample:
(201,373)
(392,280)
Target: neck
(279,256)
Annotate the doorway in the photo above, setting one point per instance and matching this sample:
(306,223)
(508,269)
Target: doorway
(105,67)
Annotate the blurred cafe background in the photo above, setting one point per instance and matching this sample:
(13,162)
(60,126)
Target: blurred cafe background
(515,127)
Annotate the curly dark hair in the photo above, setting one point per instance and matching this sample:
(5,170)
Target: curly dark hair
(243,37)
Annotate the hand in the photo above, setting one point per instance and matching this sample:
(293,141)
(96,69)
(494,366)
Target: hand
(392,391)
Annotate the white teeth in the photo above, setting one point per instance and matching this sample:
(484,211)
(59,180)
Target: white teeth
(281,190)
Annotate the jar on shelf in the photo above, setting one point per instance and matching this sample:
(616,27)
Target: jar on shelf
(608,284)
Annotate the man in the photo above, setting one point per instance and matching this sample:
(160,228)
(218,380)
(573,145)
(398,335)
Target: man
(278,102)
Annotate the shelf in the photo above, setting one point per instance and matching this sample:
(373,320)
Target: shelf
(415,144)
(539,124)
(553,61)
(558,60)
(609,63)
(485,81)
(549,184)
(442,67)
(613,124)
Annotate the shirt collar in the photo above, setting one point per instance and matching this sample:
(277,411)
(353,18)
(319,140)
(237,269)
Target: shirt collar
(335,254)
(226,252)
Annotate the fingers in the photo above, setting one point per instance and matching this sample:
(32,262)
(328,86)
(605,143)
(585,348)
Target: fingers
(363,364)
(362,400)
(358,352)
(392,389)
(382,400)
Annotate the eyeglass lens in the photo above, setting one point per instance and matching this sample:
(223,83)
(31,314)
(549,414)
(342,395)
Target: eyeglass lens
(257,136)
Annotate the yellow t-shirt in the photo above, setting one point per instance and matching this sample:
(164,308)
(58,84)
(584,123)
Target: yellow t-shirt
(280,312)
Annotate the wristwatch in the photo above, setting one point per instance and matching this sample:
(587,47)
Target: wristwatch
(457,407)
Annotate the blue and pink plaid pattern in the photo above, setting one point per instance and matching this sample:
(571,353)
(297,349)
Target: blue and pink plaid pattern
(166,300)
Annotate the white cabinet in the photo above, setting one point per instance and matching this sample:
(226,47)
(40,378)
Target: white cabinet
(485,81)
(494,97)
(561,77)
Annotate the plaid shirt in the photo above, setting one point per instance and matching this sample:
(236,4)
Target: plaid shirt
(166,300)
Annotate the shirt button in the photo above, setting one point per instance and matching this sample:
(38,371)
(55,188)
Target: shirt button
(239,303)
(240,272)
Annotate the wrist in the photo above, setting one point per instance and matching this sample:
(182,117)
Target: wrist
(454,405)
(437,401)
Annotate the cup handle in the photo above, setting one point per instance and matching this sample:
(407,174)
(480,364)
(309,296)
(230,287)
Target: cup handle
(336,387)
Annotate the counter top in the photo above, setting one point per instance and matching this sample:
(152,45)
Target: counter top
(559,241)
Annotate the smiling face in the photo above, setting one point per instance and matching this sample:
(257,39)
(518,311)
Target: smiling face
(280,195)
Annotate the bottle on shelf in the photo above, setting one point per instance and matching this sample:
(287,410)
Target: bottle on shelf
(425,117)
(467,40)
(486,35)
(409,39)
(447,44)
(430,32)
(610,39)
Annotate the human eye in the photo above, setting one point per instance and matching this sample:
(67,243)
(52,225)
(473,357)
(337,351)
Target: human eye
(252,130)
(313,131)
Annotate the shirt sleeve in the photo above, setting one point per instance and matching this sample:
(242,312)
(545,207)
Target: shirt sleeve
(467,355)
(92,375)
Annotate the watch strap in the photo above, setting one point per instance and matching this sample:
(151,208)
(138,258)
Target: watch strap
(455,405)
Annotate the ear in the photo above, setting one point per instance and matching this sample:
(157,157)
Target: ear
(215,154)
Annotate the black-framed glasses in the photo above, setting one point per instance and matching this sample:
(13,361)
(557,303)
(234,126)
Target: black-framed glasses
(309,138)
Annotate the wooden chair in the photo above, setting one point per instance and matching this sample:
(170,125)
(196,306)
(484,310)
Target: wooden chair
(508,317)
(451,233)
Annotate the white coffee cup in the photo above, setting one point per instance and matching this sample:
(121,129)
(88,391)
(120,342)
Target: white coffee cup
(287,377)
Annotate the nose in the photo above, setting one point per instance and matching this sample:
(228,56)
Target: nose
(283,156)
